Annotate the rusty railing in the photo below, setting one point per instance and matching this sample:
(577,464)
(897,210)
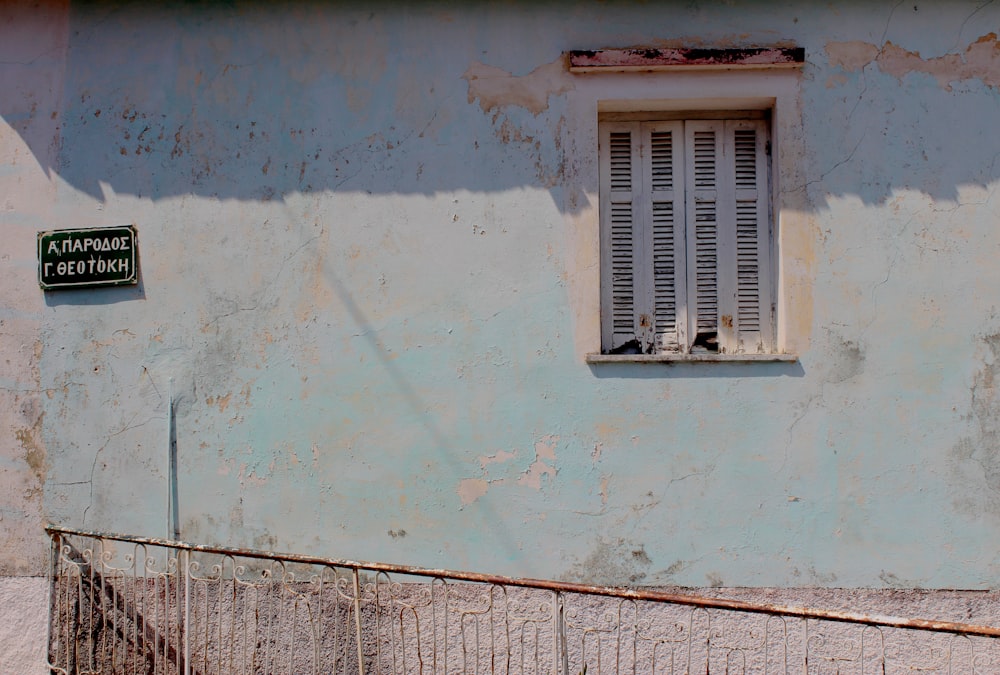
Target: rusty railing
(126,604)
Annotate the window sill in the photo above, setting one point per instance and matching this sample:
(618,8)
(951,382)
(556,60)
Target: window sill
(691,358)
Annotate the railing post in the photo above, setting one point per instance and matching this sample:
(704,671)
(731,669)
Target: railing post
(561,655)
(805,647)
(185,646)
(54,614)
(357,621)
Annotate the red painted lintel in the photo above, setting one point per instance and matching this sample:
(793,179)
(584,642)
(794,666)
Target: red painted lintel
(683,59)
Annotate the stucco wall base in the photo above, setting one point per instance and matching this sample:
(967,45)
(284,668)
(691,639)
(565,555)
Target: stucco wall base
(959,606)
(23,630)
(292,625)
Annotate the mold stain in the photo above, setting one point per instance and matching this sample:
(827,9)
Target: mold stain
(676,567)
(221,401)
(610,561)
(979,61)
(975,459)
(848,359)
(34,453)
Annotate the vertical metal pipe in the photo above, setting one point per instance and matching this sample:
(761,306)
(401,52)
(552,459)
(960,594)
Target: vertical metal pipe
(170,458)
(173,519)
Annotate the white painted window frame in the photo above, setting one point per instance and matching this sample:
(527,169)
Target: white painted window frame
(598,95)
(747,329)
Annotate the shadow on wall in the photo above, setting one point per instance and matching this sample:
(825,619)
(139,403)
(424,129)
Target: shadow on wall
(259,102)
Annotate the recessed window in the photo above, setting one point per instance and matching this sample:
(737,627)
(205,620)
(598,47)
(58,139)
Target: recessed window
(686,233)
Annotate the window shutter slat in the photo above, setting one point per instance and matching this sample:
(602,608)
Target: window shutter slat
(747,260)
(620,151)
(664,277)
(706,266)
(666,218)
(703,153)
(621,237)
(622,274)
(752,329)
(747,268)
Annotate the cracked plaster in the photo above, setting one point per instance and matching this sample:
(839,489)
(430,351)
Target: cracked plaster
(385,330)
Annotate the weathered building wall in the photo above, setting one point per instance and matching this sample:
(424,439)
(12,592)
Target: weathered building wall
(369,279)
(32,62)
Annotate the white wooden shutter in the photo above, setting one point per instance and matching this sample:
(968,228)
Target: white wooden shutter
(685,236)
(702,154)
(663,174)
(622,294)
(728,235)
(750,289)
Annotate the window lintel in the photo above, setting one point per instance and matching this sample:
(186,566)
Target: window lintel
(654,59)
(613,114)
(669,358)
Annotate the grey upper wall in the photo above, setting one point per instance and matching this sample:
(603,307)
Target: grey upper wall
(257,101)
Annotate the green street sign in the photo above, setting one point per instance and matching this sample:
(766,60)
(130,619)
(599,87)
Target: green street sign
(103,256)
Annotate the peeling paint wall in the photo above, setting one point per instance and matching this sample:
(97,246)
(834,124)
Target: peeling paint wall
(32,62)
(31,81)
(369,261)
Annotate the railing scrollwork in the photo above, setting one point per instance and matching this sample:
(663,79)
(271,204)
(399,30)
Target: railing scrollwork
(135,605)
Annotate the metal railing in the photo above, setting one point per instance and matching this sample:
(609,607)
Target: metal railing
(126,604)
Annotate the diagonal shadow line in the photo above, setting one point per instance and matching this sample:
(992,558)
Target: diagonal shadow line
(148,634)
(409,394)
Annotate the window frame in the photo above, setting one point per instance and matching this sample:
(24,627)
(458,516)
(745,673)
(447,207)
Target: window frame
(681,125)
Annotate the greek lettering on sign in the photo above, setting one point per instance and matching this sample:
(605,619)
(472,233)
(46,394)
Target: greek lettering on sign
(94,257)
(85,245)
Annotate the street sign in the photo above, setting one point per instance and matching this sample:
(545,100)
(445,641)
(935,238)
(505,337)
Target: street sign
(103,256)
